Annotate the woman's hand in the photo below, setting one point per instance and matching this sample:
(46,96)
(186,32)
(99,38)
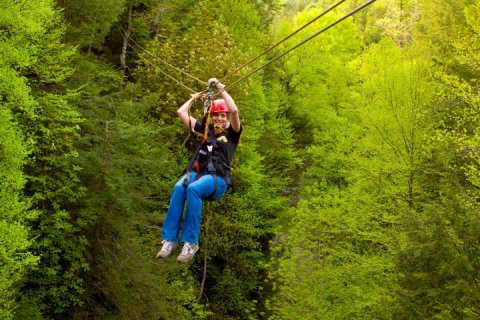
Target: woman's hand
(196,95)
(213,82)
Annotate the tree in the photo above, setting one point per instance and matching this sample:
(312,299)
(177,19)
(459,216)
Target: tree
(329,258)
(393,19)
(15,258)
(91,21)
(33,60)
(438,261)
(38,63)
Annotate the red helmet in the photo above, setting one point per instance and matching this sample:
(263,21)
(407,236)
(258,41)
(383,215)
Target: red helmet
(219,105)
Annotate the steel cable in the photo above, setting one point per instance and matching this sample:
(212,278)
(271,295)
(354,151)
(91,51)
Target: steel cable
(284,39)
(163,72)
(351,13)
(165,62)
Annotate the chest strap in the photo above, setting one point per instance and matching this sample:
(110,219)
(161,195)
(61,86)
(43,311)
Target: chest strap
(211,142)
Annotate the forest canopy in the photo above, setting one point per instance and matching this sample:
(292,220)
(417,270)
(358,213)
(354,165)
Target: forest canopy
(356,183)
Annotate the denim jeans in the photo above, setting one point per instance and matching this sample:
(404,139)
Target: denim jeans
(191,195)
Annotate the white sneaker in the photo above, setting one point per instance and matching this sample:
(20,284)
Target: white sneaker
(167,248)
(188,251)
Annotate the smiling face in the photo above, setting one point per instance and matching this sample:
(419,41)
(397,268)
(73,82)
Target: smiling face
(220,119)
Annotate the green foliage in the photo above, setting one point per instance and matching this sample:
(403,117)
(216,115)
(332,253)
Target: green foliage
(54,187)
(15,259)
(439,262)
(396,20)
(21,33)
(130,175)
(334,262)
(38,62)
(242,18)
(438,256)
(396,109)
(329,233)
(91,21)
(361,177)
(436,29)
(314,75)
(356,181)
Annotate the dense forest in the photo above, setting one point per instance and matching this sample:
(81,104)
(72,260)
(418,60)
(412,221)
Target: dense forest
(356,184)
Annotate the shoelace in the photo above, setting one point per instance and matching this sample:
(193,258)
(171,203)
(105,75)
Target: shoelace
(169,246)
(187,249)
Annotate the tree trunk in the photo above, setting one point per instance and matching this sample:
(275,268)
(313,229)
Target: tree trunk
(126,35)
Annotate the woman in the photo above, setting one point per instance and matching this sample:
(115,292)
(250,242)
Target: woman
(210,179)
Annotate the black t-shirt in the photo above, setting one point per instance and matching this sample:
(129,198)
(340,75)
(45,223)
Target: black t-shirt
(224,147)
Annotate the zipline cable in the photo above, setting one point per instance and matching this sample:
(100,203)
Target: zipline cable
(284,39)
(165,62)
(164,73)
(180,83)
(351,13)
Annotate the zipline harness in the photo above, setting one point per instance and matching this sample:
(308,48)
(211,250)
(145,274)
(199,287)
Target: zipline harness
(206,144)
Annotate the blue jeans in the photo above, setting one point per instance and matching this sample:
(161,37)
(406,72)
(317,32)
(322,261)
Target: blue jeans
(191,195)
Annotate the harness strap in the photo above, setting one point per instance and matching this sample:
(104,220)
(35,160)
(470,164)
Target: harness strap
(212,171)
(210,166)
(208,137)
(191,163)
(205,121)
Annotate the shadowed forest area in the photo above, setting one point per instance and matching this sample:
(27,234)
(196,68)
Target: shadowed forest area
(356,183)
